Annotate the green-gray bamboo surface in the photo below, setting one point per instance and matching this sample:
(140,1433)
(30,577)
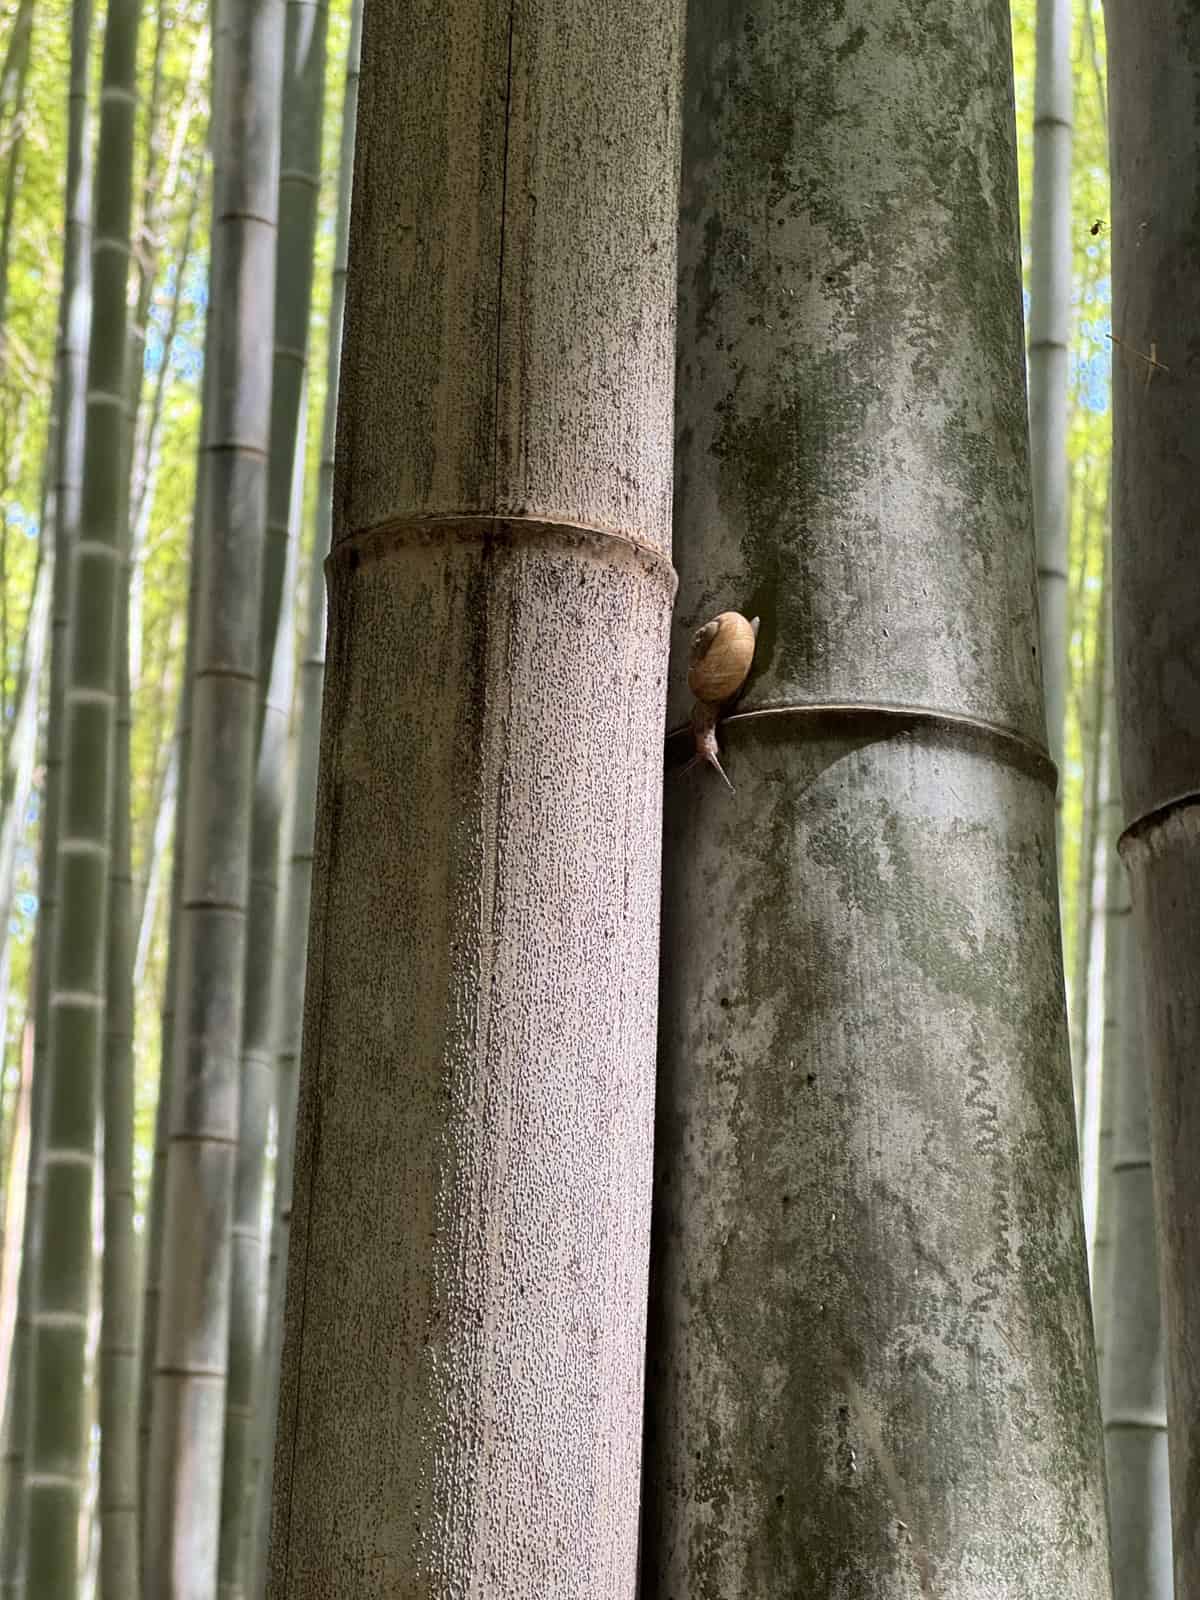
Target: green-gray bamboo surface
(17,785)
(14,128)
(75,1062)
(1116,927)
(299,188)
(1049,334)
(188,1408)
(183,739)
(1135,1402)
(299,885)
(152,1293)
(1089,884)
(71,356)
(1154,92)
(472,1170)
(870,1366)
(118,1363)
(240,1472)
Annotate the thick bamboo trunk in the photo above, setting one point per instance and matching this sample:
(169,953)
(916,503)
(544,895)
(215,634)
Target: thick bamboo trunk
(472,1177)
(188,1410)
(1154,88)
(74,319)
(870,1360)
(1049,333)
(63,1296)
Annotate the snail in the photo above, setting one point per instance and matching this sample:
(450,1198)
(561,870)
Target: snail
(719,664)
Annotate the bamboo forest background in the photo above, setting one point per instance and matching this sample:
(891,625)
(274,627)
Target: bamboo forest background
(168,293)
(171,226)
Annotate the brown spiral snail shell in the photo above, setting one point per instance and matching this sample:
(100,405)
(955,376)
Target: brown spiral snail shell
(721,656)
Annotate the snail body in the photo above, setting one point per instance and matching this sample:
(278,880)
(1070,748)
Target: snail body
(721,657)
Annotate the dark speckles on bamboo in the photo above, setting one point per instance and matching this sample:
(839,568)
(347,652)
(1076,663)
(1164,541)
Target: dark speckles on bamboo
(464,1356)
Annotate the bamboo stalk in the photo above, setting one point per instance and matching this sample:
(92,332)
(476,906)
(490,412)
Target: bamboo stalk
(56,1475)
(188,1412)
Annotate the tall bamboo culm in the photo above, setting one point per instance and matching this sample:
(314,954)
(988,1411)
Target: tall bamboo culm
(1095,848)
(1116,931)
(183,743)
(480,1007)
(119,1316)
(1154,93)
(74,321)
(75,1065)
(1135,1402)
(158,1170)
(299,886)
(299,188)
(866,1168)
(188,1407)
(1049,333)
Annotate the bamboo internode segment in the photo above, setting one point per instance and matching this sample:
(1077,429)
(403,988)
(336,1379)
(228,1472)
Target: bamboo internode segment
(1049,333)
(494,1034)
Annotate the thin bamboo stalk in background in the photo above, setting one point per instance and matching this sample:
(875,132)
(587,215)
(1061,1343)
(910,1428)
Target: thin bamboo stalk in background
(118,1355)
(162,825)
(14,80)
(1116,920)
(16,1174)
(187,1420)
(1049,332)
(1126,1303)
(239,1480)
(63,1298)
(71,359)
(299,884)
(1154,93)
(148,435)
(1135,1402)
(183,741)
(1090,890)
(302,105)
(19,767)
